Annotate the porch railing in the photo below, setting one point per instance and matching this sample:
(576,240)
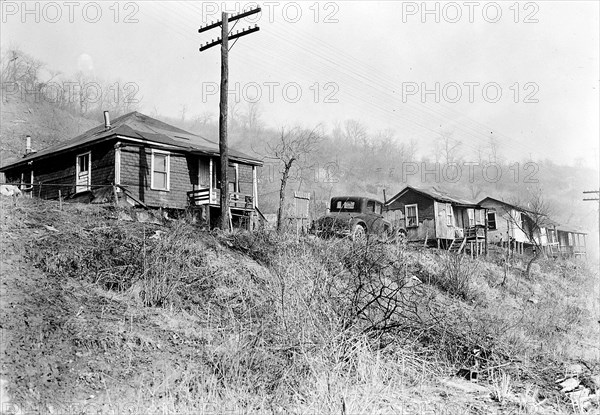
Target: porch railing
(204,196)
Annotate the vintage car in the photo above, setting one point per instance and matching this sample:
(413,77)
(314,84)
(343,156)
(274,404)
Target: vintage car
(355,217)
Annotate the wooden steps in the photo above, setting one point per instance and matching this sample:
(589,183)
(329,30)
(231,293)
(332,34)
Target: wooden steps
(457,245)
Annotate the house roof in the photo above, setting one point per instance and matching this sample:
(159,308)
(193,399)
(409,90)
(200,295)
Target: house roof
(511,205)
(436,194)
(545,221)
(549,223)
(137,126)
(567,228)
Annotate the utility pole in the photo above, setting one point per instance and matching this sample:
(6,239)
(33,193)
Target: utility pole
(596,199)
(223,149)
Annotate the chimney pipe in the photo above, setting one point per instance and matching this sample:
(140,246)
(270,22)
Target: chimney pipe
(28,144)
(106,120)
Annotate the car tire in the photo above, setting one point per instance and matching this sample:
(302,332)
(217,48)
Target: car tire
(359,233)
(400,235)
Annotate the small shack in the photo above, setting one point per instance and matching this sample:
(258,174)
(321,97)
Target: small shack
(433,215)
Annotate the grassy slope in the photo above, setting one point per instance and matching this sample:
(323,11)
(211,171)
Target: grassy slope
(102,314)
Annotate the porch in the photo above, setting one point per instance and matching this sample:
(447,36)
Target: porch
(242,207)
(470,239)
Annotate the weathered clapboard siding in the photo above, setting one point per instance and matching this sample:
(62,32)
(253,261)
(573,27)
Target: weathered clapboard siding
(439,216)
(426,215)
(506,228)
(136,162)
(60,173)
(122,153)
(245,179)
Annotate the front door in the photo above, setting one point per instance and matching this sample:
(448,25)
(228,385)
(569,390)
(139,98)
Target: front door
(83,172)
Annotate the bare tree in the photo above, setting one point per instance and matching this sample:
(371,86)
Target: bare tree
(531,220)
(251,118)
(493,145)
(184,109)
(294,146)
(21,71)
(202,120)
(447,148)
(356,133)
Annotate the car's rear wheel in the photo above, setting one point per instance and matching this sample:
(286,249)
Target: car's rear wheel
(400,235)
(359,233)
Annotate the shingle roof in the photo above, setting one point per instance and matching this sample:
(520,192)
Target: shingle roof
(437,194)
(545,221)
(512,205)
(139,126)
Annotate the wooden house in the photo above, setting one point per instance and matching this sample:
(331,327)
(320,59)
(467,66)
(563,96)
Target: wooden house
(432,215)
(509,223)
(560,240)
(512,225)
(143,161)
(571,241)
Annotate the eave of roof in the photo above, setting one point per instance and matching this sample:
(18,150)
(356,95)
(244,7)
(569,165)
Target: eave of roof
(136,126)
(512,205)
(435,196)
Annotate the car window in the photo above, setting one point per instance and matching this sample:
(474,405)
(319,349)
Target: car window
(370,206)
(343,206)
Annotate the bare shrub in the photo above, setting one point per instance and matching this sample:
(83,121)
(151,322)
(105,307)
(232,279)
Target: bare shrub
(458,272)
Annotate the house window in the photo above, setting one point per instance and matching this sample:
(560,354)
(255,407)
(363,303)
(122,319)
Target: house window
(83,176)
(479,217)
(449,215)
(160,170)
(491,218)
(234,183)
(412,216)
(471,214)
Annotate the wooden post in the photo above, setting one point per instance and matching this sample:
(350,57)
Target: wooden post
(116,195)
(223,150)
(59,199)
(485,232)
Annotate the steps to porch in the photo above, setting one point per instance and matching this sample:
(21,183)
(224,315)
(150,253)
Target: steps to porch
(472,241)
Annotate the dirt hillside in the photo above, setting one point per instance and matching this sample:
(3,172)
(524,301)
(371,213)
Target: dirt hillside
(102,315)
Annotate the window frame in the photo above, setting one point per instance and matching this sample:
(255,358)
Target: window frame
(88,185)
(493,212)
(167,167)
(471,217)
(449,214)
(406,215)
(479,217)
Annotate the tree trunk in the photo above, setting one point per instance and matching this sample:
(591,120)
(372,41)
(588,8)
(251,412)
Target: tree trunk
(533,259)
(284,179)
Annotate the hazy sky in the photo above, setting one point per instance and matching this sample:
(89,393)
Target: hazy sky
(525,73)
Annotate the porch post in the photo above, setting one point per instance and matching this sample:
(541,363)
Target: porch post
(210,181)
(117,165)
(485,232)
(254,188)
